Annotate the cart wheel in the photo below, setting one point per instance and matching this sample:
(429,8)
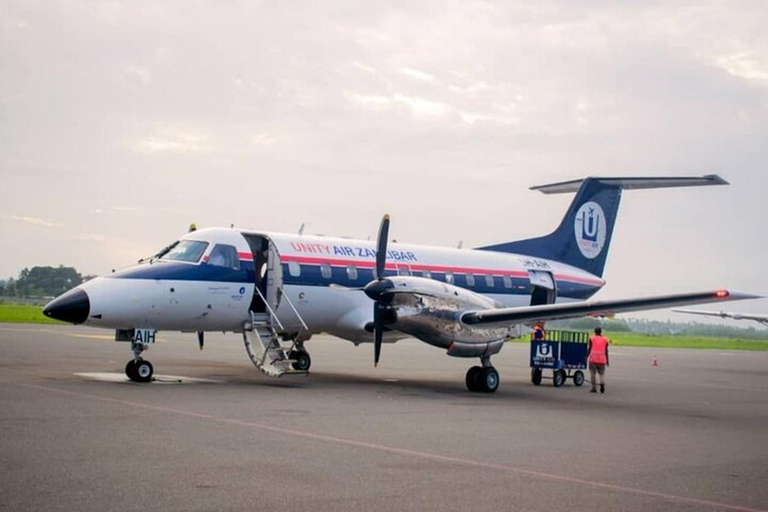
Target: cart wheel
(578,378)
(558,378)
(536,376)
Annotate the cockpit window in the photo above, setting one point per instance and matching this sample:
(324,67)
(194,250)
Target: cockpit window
(184,250)
(224,256)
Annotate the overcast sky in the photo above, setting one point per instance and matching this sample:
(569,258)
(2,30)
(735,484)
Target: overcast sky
(122,122)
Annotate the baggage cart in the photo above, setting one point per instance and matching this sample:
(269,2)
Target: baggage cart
(562,352)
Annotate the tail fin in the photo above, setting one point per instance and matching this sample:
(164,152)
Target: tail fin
(584,235)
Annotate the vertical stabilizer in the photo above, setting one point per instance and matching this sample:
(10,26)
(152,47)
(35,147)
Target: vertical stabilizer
(584,235)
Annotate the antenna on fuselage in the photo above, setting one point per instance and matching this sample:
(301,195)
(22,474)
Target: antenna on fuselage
(301,229)
(461,244)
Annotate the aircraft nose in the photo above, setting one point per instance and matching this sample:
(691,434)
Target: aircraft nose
(74,307)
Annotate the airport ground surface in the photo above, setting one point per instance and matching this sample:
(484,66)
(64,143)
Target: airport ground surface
(689,434)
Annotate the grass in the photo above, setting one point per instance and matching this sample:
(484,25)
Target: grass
(634,339)
(24,314)
(29,314)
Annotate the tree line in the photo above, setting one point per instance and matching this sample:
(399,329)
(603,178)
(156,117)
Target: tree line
(42,282)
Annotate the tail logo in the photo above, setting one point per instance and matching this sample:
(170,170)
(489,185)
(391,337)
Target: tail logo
(589,229)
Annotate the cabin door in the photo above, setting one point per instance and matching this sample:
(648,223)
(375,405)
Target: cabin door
(543,288)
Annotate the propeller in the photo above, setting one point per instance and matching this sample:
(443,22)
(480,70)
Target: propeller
(378,289)
(201,339)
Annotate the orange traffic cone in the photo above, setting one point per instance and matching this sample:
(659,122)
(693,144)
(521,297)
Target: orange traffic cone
(655,361)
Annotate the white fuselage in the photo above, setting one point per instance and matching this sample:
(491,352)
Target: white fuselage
(309,271)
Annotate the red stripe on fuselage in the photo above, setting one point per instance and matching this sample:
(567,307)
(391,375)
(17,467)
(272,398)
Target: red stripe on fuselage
(435,268)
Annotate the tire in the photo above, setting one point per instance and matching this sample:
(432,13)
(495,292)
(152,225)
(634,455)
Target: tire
(489,379)
(130,370)
(578,378)
(303,361)
(558,378)
(536,376)
(473,378)
(143,371)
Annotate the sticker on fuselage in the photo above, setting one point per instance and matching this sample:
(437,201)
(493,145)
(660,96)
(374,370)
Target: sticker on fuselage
(589,229)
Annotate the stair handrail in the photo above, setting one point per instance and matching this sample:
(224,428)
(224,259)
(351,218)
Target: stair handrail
(290,303)
(272,313)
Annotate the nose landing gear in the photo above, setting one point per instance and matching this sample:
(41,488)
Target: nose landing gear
(138,369)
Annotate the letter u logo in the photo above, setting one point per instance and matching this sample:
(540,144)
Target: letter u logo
(589,226)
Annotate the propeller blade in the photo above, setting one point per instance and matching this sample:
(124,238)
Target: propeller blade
(201,339)
(381,247)
(378,333)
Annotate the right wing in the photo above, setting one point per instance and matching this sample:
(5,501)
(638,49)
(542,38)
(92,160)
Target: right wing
(726,314)
(598,308)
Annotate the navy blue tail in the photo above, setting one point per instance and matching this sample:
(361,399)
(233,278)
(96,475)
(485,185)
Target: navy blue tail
(584,236)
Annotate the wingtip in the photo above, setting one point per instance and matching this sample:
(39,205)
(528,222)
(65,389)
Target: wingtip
(735,295)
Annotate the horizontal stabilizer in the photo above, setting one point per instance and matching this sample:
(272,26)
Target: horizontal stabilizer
(634,183)
(528,314)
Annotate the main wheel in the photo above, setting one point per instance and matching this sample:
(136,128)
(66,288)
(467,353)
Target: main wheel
(489,380)
(303,361)
(143,371)
(578,378)
(130,370)
(558,378)
(536,376)
(473,378)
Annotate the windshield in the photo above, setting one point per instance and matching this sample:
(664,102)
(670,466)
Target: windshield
(184,250)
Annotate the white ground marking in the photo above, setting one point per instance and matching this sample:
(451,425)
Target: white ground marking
(157,379)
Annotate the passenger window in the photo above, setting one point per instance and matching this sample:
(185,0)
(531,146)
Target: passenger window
(325,270)
(426,274)
(224,256)
(489,281)
(403,271)
(470,280)
(507,282)
(294,269)
(449,277)
(352,272)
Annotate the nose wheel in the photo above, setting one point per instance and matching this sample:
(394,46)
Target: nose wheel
(138,369)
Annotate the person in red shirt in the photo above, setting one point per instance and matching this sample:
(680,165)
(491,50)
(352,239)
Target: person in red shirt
(597,357)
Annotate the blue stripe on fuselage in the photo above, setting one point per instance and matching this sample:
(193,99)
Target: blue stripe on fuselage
(177,271)
(310,275)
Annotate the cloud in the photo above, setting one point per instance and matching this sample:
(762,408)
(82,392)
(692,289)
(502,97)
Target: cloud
(35,221)
(90,237)
(418,75)
(140,74)
(172,140)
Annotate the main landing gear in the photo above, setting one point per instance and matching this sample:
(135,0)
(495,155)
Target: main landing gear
(483,378)
(138,369)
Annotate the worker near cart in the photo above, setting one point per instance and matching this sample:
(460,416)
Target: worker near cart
(538,332)
(597,357)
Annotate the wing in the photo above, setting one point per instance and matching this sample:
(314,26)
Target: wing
(725,314)
(597,308)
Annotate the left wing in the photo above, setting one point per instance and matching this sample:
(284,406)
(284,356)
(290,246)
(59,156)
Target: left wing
(597,308)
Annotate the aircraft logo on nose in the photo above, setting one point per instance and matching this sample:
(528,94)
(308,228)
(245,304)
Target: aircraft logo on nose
(589,229)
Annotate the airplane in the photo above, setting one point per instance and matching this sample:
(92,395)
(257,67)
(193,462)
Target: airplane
(763,319)
(280,289)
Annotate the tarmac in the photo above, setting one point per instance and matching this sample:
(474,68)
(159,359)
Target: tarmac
(213,433)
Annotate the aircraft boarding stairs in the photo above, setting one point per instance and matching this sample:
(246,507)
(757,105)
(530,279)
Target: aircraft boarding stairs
(264,346)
